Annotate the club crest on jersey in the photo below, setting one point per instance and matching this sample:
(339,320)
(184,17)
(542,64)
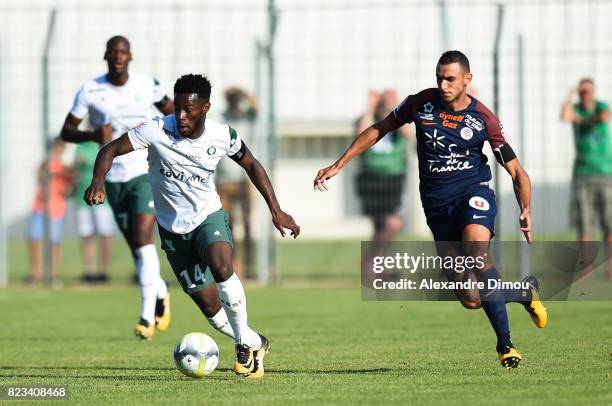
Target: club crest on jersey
(466,133)
(211,150)
(428,107)
(479,203)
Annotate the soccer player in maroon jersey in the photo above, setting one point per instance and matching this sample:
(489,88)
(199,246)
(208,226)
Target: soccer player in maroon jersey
(459,205)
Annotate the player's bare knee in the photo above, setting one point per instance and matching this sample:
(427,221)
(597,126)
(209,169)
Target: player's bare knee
(222,270)
(471,304)
(141,237)
(393,224)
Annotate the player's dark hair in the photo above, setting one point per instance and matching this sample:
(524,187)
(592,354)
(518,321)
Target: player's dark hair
(587,80)
(117,38)
(449,57)
(191,83)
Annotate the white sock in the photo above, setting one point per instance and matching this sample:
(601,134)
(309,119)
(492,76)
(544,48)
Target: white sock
(162,288)
(220,323)
(233,299)
(147,267)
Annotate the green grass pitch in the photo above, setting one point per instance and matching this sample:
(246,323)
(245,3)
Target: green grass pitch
(328,347)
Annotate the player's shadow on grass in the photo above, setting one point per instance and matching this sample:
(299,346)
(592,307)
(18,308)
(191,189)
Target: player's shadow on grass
(179,377)
(132,377)
(97,368)
(334,371)
(144,378)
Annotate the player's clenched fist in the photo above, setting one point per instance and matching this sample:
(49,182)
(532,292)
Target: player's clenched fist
(94,195)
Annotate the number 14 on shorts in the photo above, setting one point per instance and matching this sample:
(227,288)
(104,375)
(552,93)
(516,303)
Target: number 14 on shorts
(198,276)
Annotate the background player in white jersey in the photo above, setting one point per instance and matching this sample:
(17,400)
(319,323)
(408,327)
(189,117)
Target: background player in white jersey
(116,102)
(184,150)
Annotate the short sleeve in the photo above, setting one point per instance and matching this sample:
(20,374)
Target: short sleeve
(158,92)
(495,130)
(142,136)
(79,106)
(406,111)
(235,142)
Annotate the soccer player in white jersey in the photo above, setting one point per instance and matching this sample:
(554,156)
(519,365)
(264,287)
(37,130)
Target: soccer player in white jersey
(184,150)
(116,102)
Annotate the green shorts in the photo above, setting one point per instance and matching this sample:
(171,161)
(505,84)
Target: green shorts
(127,199)
(186,252)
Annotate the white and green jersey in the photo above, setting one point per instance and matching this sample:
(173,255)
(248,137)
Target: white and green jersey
(124,107)
(181,170)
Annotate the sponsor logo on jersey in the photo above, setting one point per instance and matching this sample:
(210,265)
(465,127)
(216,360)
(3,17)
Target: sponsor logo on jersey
(474,123)
(426,116)
(479,203)
(466,133)
(450,120)
(176,172)
(451,117)
(435,140)
(449,159)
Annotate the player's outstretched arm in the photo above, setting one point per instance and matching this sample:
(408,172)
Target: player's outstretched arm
(95,192)
(362,143)
(260,179)
(71,133)
(522,191)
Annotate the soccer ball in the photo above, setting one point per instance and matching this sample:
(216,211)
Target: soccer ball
(196,355)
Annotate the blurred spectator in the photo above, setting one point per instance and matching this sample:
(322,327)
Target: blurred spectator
(382,178)
(592,180)
(92,221)
(232,182)
(54,180)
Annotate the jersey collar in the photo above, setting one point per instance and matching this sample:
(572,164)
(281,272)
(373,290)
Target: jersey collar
(469,106)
